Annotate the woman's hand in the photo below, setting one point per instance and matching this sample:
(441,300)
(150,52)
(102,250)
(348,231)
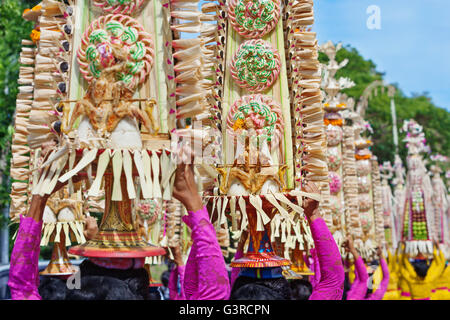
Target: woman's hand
(90,228)
(177,257)
(380,253)
(311,206)
(185,188)
(349,247)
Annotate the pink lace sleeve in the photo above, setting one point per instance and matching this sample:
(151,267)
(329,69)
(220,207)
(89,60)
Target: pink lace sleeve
(177,273)
(190,273)
(359,287)
(314,266)
(206,264)
(235,272)
(379,293)
(24,269)
(331,283)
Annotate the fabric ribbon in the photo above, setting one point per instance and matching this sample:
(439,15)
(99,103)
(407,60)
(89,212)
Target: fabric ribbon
(276,226)
(219,210)
(262,218)
(233,213)
(58,233)
(74,226)
(140,168)
(65,226)
(223,218)
(213,207)
(43,189)
(61,165)
(87,159)
(117,172)
(72,158)
(243,209)
(37,188)
(282,198)
(274,202)
(127,167)
(155,168)
(48,230)
(103,161)
(167,169)
(148,171)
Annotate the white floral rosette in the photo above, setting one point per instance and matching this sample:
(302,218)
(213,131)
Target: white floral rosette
(366,221)
(334,135)
(255,65)
(365,202)
(334,158)
(363,167)
(264,114)
(96,53)
(254,18)
(364,184)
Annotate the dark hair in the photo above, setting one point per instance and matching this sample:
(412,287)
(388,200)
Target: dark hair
(246,288)
(369,290)
(154,294)
(346,287)
(52,288)
(421,267)
(165,278)
(300,289)
(374,264)
(98,283)
(254,291)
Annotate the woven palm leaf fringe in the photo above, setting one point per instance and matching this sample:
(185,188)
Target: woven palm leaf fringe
(174,212)
(306,97)
(350,186)
(20,160)
(378,204)
(52,72)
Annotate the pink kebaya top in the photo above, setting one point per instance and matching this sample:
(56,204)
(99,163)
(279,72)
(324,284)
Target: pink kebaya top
(379,293)
(206,277)
(358,289)
(24,271)
(177,273)
(330,285)
(205,274)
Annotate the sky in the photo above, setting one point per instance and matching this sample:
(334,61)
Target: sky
(412,47)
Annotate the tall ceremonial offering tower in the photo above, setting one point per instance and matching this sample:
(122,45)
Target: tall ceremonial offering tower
(99,104)
(262,104)
(369,193)
(398,182)
(419,225)
(335,104)
(389,208)
(42,81)
(440,202)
